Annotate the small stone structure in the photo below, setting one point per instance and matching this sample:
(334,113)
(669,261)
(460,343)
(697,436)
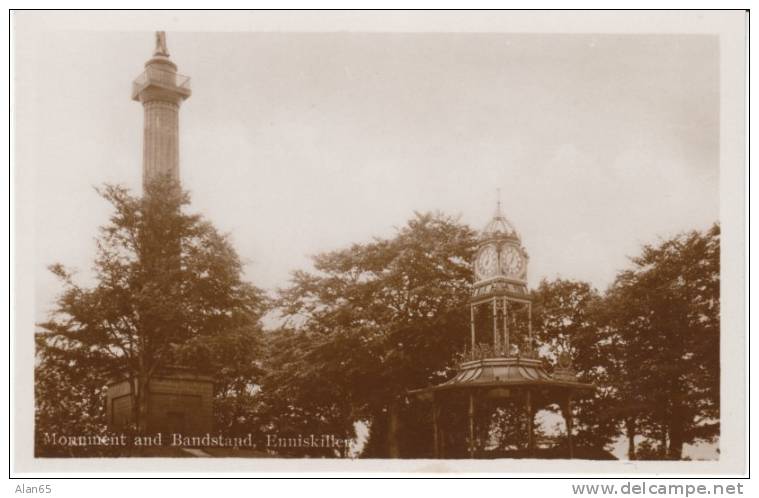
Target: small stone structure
(179,402)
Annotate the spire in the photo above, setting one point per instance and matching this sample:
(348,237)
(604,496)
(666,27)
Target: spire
(160,44)
(498,202)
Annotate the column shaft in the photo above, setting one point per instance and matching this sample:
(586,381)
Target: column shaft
(530,423)
(435,430)
(161,141)
(471,426)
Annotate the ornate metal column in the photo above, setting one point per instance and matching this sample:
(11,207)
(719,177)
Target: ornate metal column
(471,323)
(506,338)
(529,324)
(495,324)
(435,429)
(471,425)
(569,422)
(530,423)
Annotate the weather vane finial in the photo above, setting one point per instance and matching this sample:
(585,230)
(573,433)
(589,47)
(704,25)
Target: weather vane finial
(160,44)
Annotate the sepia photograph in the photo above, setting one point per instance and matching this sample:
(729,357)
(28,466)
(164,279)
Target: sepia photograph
(420,241)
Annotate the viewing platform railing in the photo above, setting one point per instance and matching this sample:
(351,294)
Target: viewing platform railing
(166,79)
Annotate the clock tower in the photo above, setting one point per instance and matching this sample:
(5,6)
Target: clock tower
(501,310)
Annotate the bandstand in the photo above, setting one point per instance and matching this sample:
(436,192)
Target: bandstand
(501,365)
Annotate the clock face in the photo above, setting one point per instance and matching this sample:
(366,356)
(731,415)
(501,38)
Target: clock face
(487,263)
(512,262)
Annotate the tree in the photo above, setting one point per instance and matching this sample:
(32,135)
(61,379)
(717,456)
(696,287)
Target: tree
(69,400)
(168,291)
(664,314)
(374,321)
(566,314)
(305,392)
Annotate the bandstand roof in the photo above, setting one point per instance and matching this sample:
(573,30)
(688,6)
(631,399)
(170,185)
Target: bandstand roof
(506,372)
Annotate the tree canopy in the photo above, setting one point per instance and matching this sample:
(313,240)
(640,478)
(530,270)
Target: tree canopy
(168,291)
(369,323)
(663,322)
(374,320)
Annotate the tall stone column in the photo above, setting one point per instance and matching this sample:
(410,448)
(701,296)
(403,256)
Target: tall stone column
(161,90)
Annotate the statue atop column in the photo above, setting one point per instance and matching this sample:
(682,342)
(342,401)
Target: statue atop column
(160,44)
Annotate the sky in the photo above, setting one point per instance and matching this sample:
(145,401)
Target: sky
(298,143)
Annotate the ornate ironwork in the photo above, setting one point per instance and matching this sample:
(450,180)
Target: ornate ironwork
(485,351)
